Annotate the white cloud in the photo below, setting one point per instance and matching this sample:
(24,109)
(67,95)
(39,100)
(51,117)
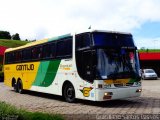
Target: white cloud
(37,19)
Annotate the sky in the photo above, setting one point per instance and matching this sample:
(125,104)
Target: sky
(39,19)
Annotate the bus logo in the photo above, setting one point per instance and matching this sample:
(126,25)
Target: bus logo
(25,67)
(86,91)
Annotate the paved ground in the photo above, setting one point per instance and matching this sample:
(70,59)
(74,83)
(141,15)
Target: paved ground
(148,103)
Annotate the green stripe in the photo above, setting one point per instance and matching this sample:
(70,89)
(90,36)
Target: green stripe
(59,37)
(51,73)
(132,80)
(42,70)
(46,73)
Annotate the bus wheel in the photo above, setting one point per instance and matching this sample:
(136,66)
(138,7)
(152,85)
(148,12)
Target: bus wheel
(20,87)
(69,93)
(15,86)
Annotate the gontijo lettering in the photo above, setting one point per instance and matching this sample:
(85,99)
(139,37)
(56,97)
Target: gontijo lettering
(25,67)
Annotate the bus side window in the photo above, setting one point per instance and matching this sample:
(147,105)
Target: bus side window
(17,56)
(64,48)
(68,47)
(12,58)
(26,54)
(39,52)
(60,49)
(7,57)
(52,50)
(36,53)
(46,51)
(88,65)
(83,41)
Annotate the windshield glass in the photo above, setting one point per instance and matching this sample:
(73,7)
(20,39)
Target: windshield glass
(113,40)
(116,64)
(149,71)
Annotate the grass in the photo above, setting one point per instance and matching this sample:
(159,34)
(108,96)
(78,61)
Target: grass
(9,44)
(12,43)
(8,112)
(150,50)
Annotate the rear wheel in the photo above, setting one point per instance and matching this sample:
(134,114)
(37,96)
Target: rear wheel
(69,93)
(15,86)
(20,87)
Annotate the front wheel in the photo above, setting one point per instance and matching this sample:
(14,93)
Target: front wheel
(69,93)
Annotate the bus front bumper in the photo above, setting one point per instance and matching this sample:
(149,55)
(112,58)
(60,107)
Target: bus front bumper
(117,93)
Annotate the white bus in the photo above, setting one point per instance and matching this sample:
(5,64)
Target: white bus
(94,65)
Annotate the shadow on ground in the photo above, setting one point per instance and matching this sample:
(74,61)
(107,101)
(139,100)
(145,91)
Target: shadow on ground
(104,104)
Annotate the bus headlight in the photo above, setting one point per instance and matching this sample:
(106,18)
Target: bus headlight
(139,90)
(107,95)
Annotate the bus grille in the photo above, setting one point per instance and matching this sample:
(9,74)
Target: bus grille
(123,85)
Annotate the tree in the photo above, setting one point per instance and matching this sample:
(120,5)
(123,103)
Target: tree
(5,35)
(16,37)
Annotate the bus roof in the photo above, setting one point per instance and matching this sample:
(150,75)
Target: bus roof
(38,42)
(60,37)
(107,31)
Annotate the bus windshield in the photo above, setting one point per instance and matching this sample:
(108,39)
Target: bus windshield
(116,64)
(106,55)
(112,40)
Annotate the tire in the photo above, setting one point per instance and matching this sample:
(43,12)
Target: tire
(69,93)
(15,87)
(20,87)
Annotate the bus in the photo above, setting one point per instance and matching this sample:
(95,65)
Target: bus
(93,65)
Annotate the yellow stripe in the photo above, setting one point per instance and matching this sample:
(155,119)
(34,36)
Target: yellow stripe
(27,45)
(118,81)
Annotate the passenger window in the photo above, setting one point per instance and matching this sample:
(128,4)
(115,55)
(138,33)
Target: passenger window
(64,48)
(7,58)
(52,50)
(46,50)
(39,52)
(68,50)
(60,48)
(26,54)
(34,53)
(17,56)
